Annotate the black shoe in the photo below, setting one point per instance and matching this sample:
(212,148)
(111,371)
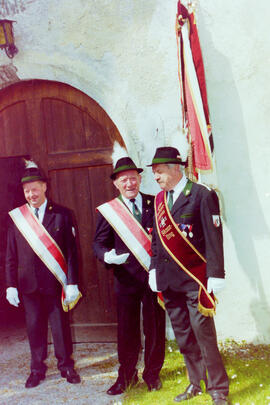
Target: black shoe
(118,388)
(71,375)
(155,385)
(191,391)
(34,379)
(219,398)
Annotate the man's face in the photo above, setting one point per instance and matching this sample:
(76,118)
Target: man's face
(167,177)
(34,193)
(128,183)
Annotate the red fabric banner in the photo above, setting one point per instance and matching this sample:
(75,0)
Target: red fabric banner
(195,110)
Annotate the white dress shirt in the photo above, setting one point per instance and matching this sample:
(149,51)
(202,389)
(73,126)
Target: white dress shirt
(178,188)
(41,210)
(138,202)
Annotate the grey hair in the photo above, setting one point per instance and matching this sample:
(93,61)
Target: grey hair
(171,165)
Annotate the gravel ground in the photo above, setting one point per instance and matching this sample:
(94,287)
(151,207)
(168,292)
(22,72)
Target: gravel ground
(96,363)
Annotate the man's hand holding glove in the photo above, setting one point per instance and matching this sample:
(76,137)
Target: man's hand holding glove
(152,281)
(215,285)
(13,296)
(112,258)
(71,292)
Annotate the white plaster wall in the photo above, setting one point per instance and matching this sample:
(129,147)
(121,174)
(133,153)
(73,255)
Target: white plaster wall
(236,47)
(123,54)
(115,51)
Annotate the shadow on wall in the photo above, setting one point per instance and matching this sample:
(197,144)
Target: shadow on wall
(241,206)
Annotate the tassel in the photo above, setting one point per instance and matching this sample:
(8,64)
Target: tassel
(68,307)
(206,311)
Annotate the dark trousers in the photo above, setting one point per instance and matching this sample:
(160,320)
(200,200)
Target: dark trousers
(129,335)
(39,310)
(197,341)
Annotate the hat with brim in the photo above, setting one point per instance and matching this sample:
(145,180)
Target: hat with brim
(167,154)
(124,164)
(32,174)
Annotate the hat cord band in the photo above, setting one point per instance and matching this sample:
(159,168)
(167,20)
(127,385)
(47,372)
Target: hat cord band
(30,178)
(166,160)
(125,167)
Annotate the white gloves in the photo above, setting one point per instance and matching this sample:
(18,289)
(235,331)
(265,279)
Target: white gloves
(215,284)
(12,296)
(152,281)
(71,293)
(112,258)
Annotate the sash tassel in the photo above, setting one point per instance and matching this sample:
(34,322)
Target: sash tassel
(71,305)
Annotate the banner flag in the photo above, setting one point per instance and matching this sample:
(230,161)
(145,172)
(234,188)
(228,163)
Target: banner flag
(195,112)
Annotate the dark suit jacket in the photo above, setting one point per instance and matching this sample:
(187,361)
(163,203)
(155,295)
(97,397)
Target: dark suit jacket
(196,213)
(130,276)
(24,269)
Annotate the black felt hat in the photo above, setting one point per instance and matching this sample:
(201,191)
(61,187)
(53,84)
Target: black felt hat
(32,174)
(167,154)
(123,165)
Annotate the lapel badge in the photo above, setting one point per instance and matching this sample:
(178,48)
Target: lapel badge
(216,220)
(50,207)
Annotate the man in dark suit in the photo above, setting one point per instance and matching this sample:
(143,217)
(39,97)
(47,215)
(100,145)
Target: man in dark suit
(131,278)
(195,212)
(37,229)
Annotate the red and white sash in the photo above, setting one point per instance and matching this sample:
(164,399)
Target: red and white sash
(43,245)
(130,231)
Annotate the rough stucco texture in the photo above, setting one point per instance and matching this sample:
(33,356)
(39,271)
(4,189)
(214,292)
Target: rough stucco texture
(123,54)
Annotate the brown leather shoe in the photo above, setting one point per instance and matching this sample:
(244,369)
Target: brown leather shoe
(190,392)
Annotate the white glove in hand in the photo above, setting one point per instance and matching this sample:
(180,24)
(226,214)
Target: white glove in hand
(215,284)
(112,258)
(152,281)
(71,293)
(12,296)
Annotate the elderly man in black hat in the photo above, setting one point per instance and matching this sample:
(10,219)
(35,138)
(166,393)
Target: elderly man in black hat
(123,242)
(187,266)
(41,264)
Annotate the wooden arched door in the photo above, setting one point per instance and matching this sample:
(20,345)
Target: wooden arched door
(71,137)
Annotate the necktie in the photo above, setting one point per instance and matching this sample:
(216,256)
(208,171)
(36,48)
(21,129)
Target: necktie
(36,213)
(170,199)
(135,210)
